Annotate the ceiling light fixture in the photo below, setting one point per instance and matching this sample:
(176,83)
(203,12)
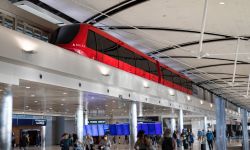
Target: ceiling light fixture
(35,101)
(32,95)
(50,108)
(27,87)
(65,93)
(171,92)
(201,101)
(62,104)
(221,3)
(211,105)
(188,98)
(40,12)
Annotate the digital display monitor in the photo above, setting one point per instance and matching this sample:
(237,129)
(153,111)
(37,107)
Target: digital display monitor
(126,129)
(112,129)
(94,130)
(84,130)
(151,128)
(158,128)
(119,129)
(139,127)
(100,130)
(106,129)
(88,130)
(144,127)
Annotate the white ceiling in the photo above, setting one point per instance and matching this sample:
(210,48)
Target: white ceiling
(230,19)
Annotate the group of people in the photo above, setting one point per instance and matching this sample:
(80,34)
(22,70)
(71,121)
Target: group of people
(68,141)
(171,141)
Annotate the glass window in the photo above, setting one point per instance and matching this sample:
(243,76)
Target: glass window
(91,41)
(142,63)
(28,30)
(67,33)
(37,34)
(177,80)
(166,74)
(153,68)
(1,20)
(45,37)
(107,46)
(9,23)
(126,56)
(20,27)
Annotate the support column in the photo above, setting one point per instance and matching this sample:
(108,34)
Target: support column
(244,119)
(205,123)
(79,118)
(220,124)
(140,109)
(86,116)
(6,106)
(173,124)
(43,135)
(180,121)
(133,123)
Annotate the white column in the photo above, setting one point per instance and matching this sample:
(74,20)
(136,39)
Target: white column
(133,123)
(79,118)
(43,135)
(180,120)
(205,123)
(6,106)
(140,109)
(173,124)
(244,129)
(86,111)
(220,124)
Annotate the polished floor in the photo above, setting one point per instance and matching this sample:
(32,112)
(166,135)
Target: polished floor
(235,145)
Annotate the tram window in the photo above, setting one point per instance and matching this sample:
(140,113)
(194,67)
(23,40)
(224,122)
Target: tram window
(153,68)
(142,63)
(91,41)
(106,46)
(177,80)
(67,33)
(167,75)
(183,82)
(126,56)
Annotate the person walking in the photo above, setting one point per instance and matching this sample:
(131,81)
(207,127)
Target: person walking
(77,145)
(65,142)
(168,142)
(142,142)
(210,138)
(105,144)
(89,143)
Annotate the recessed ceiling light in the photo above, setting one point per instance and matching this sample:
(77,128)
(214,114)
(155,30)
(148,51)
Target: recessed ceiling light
(97,108)
(32,95)
(201,101)
(106,105)
(35,101)
(222,3)
(27,106)
(62,104)
(63,99)
(50,108)
(27,87)
(113,101)
(65,93)
(1,90)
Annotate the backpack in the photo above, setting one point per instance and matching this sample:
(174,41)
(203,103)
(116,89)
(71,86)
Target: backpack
(167,144)
(209,136)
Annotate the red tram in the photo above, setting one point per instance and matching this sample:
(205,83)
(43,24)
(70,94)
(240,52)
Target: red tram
(94,43)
